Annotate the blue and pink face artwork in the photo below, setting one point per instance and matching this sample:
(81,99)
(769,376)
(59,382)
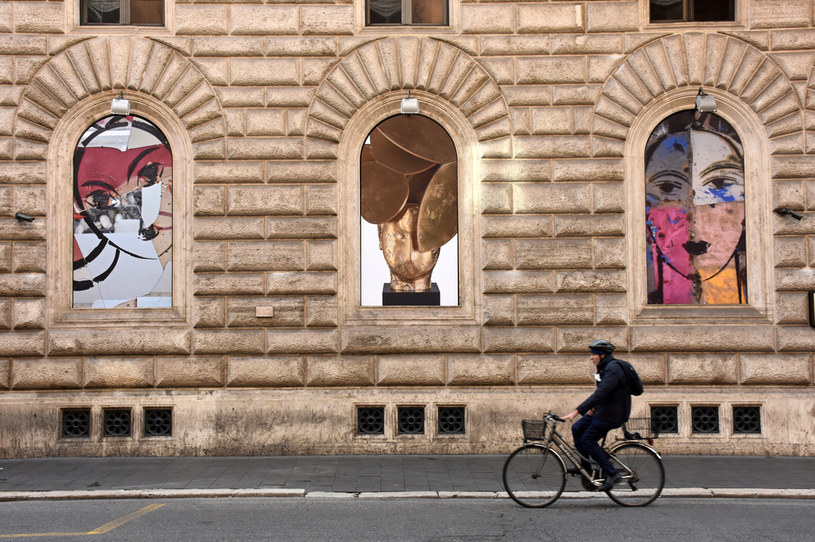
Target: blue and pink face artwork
(123,216)
(694,209)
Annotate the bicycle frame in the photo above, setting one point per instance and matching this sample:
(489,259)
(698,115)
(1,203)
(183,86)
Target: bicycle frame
(569,451)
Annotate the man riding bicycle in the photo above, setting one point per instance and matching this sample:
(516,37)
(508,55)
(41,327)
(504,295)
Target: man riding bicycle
(607,408)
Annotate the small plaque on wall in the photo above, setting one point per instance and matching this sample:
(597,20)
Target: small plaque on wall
(429,297)
(811,296)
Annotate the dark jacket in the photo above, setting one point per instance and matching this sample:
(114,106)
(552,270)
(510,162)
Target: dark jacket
(610,400)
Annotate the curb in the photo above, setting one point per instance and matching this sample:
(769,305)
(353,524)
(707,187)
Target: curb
(724,493)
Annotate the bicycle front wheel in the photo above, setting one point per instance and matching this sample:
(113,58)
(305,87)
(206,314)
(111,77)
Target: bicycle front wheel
(642,472)
(534,476)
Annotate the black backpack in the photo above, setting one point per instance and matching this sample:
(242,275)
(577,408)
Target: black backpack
(632,380)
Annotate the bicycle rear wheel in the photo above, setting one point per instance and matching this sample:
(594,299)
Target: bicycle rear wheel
(534,476)
(642,472)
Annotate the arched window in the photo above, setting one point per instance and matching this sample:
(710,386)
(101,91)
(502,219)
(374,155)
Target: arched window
(695,212)
(122,216)
(409,214)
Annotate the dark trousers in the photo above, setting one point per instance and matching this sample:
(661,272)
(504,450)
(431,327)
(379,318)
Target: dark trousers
(587,432)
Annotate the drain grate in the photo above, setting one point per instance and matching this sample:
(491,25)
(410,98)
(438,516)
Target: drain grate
(664,419)
(411,420)
(158,422)
(746,419)
(76,423)
(117,423)
(705,419)
(371,420)
(451,420)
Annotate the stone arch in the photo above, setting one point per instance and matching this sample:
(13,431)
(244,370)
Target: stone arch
(111,64)
(712,61)
(424,65)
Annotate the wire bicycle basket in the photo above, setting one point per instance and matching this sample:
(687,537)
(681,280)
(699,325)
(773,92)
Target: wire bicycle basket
(534,429)
(639,429)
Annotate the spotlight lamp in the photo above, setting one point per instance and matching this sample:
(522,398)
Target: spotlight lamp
(120,105)
(410,106)
(705,103)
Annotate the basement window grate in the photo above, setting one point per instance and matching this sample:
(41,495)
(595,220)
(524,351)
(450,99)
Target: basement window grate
(664,419)
(411,420)
(117,423)
(705,419)
(371,420)
(76,423)
(158,422)
(451,420)
(746,419)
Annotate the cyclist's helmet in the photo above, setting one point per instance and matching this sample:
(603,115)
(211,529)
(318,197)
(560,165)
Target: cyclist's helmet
(601,346)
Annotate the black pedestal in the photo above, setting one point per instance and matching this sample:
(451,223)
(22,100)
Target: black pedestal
(429,297)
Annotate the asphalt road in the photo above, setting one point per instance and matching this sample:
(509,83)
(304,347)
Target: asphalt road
(404,520)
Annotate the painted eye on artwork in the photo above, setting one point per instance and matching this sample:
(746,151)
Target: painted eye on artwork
(100,199)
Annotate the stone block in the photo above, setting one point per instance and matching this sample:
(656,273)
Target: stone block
(5,374)
(780,14)
(341,371)
(577,339)
(558,370)
(285,311)
(242,97)
(302,172)
(551,70)
(209,256)
(652,368)
(265,148)
(589,225)
(487,19)
(265,200)
(702,338)
(575,94)
(519,339)
(228,284)
(545,310)
(46,374)
(587,44)
(794,279)
(776,369)
(265,71)
(303,47)
(29,314)
(302,341)
(796,339)
(321,200)
(409,339)
(265,256)
(202,20)
(599,281)
(499,310)
(515,226)
(216,71)
(612,16)
(300,283)
(518,282)
(611,309)
(119,341)
(497,254)
(208,312)
(553,253)
(552,120)
(792,167)
(232,229)
(327,20)
(301,227)
(5,314)
(552,198)
(501,69)
(703,369)
(788,194)
(29,258)
(515,171)
(268,371)
(39,18)
(321,311)
(811,250)
(117,372)
(415,370)
(227,46)
(550,18)
(609,197)
(609,253)
(610,169)
(266,122)
(190,372)
(6,200)
(229,172)
(264,20)
(22,285)
(321,256)
(789,252)
(463,370)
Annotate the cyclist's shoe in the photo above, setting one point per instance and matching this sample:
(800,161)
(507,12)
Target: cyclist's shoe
(610,482)
(574,471)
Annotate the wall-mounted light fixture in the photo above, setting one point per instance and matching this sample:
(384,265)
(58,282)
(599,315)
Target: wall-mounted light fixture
(410,106)
(783,211)
(705,103)
(22,217)
(120,105)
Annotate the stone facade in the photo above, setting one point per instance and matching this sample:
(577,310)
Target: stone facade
(267,105)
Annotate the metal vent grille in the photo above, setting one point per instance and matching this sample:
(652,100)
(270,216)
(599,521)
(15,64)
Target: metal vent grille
(158,422)
(705,419)
(664,419)
(746,419)
(117,423)
(411,420)
(451,420)
(76,423)
(371,420)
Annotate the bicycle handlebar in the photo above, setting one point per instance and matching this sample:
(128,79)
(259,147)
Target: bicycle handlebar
(554,417)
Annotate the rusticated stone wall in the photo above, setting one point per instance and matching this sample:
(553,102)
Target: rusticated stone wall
(266,104)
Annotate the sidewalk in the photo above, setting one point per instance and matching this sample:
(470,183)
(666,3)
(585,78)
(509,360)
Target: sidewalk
(436,476)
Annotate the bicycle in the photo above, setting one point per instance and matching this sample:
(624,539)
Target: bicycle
(535,474)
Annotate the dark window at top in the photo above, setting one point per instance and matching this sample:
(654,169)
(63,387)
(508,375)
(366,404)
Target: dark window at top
(406,12)
(122,12)
(666,11)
